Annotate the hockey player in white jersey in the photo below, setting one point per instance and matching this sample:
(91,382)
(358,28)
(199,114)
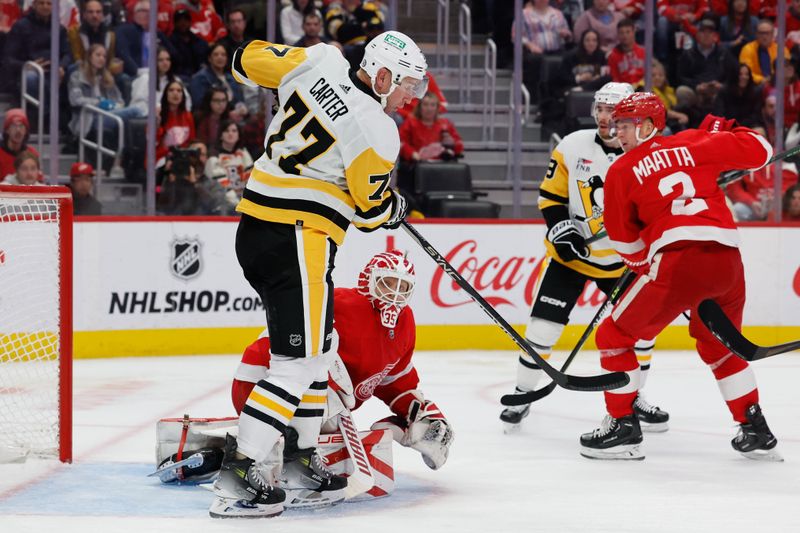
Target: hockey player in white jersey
(571,201)
(329,153)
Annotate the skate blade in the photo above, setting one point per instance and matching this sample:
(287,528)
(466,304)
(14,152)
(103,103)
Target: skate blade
(764,455)
(312,499)
(628,452)
(226,508)
(654,428)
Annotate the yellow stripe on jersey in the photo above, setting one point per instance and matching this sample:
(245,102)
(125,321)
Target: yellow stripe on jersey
(368,182)
(265,64)
(292,217)
(271,405)
(307,398)
(301,182)
(315,253)
(555,186)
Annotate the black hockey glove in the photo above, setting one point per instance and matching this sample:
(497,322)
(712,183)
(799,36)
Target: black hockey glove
(569,243)
(399,211)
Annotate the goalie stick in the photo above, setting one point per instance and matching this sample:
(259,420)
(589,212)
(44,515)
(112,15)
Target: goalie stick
(617,291)
(725,179)
(361,480)
(726,332)
(600,382)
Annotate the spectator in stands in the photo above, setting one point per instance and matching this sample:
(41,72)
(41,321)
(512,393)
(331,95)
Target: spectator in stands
(133,39)
(753,195)
(793,23)
(16,131)
(433,87)
(27,171)
(544,32)
(768,115)
(676,17)
(81,182)
(738,27)
(92,30)
(9,14)
(626,60)
(206,23)
(602,19)
(791,92)
(760,54)
(93,84)
(176,125)
(346,21)
(292,19)
(213,111)
(214,72)
(29,40)
(722,7)
(191,50)
(706,65)
(211,195)
(740,98)
(166,8)
(312,31)
(237,26)
(231,163)
(180,193)
(585,66)
(791,204)
(139,92)
(676,120)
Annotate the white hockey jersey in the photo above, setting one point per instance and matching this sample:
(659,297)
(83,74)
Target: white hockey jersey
(330,148)
(575,178)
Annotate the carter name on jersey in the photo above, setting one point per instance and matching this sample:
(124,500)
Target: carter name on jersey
(661,159)
(326,97)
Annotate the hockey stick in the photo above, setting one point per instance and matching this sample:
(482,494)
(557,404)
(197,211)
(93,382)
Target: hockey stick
(614,380)
(361,480)
(725,179)
(723,329)
(522,398)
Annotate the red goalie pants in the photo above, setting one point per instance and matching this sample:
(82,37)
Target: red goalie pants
(680,276)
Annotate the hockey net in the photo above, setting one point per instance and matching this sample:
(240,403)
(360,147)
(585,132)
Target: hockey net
(35,322)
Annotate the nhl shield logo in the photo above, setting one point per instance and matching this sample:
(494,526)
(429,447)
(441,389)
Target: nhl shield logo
(185,262)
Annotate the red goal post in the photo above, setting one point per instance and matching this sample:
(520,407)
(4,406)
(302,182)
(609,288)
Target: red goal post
(35,322)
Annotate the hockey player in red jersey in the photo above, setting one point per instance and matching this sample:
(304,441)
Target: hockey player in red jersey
(376,336)
(667,218)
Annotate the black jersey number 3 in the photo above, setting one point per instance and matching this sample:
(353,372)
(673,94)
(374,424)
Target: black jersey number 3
(296,110)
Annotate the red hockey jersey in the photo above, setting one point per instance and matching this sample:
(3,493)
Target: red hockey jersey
(665,190)
(378,359)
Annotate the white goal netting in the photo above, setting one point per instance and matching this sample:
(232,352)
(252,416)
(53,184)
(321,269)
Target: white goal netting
(30,325)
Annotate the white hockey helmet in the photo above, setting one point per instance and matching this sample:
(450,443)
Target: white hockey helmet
(398,53)
(611,93)
(389,298)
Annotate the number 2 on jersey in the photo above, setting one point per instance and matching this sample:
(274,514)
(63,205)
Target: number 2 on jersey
(313,128)
(686,203)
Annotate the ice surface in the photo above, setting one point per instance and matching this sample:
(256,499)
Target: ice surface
(535,480)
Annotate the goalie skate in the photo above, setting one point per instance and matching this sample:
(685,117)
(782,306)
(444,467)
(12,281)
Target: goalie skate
(754,439)
(651,418)
(615,439)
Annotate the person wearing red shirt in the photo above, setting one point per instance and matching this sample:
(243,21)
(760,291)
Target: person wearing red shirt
(626,60)
(206,23)
(376,336)
(433,87)
(791,204)
(16,131)
(176,125)
(668,219)
(163,18)
(425,136)
(753,195)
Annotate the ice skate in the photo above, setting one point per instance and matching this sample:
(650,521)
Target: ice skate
(512,417)
(755,440)
(651,418)
(616,438)
(242,491)
(307,480)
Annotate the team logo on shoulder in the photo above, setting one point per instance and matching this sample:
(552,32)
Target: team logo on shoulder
(185,262)
(295,339)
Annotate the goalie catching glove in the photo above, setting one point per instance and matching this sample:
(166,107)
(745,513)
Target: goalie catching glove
(424,428)
(568,241)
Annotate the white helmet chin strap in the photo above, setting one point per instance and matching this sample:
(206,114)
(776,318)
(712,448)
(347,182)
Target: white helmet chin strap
(384,97)
(640,140)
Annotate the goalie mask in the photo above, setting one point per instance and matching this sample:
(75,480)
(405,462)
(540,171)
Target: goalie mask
(388,282)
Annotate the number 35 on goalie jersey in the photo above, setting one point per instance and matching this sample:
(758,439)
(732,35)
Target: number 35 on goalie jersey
(330,149)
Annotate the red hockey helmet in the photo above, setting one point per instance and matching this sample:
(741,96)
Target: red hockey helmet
(639,106)
(387,281)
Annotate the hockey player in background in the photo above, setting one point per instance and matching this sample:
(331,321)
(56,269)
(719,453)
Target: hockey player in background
(667,218)
(328,158)
(571,201)
(376,339)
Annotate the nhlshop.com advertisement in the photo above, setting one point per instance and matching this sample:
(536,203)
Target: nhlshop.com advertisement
(160,287)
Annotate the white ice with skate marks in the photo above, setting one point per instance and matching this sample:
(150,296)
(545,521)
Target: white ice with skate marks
(691,479)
